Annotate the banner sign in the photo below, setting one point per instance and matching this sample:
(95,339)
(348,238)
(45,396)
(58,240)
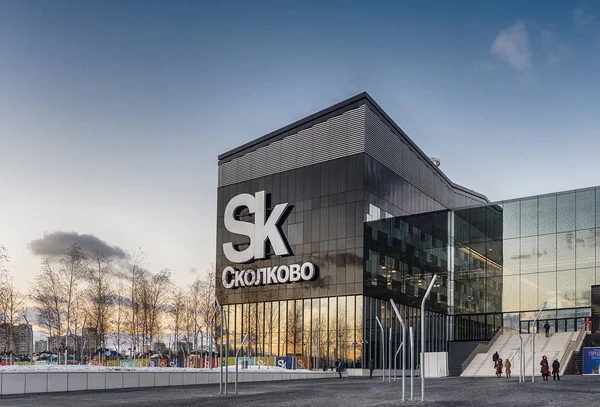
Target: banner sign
(591,361)
(127,363)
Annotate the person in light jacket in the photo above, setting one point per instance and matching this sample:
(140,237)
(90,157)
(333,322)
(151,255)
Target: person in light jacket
(507,367)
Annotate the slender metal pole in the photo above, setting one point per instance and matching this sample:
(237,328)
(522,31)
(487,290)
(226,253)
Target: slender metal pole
(423,336)
(382,347)
(533,346)
(220,346)
(212,338)
(226,349)
(521,379)
(402,346)
(412,362)
(390,357)
(237,355)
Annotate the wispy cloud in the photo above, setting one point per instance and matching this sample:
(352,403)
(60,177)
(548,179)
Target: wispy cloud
(555,49)
(56,244)
(512,46)
(581,18)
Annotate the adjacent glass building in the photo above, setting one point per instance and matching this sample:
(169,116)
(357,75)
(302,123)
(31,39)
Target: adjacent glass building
(378,218)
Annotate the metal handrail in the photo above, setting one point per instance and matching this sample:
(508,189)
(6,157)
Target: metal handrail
(572,347)
(480,348)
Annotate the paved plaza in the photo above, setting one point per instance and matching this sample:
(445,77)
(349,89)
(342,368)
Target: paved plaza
(347,392)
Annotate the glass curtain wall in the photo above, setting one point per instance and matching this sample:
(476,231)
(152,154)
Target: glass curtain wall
(321,328)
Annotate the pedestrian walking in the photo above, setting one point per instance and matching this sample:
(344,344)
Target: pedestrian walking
(507,367)
(556,370)
(338,367)
(371,368)
(545,369)
(495,358)
(499,368)
(547,329)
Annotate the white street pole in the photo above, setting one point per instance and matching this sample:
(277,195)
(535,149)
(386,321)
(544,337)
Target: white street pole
(412,362)
(382,347)
(390,357)
(211,338)
(533,346)
(237,355)
(226,348)
(402,346)
(220,347)
(423,336)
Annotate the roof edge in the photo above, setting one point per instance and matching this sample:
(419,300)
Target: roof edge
(315,116)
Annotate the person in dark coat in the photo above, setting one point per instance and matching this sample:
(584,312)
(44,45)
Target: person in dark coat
(495,358)
(545,369)
(499,368)
(547,329)
(556,370)
(338,367)
(371,368)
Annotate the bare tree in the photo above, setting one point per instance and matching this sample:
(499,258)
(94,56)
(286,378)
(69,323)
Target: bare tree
(207,304)
(101,295)
(194,302)
(12,306)
(49,298)
(73,270)
(120,312)
(177,313)
(135,274)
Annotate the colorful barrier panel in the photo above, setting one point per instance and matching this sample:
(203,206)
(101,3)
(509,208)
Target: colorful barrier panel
(303,362)
(142,363)
(264,361)
(127,363)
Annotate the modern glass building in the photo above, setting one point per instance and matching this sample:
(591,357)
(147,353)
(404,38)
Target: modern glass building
(345,191)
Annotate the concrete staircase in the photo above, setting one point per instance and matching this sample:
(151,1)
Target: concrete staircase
(507,346)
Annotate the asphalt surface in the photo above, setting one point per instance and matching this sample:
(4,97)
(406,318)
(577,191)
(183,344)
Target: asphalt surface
(346,392)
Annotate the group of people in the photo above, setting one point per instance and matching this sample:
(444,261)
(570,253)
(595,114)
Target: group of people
(499,364)
(545,369)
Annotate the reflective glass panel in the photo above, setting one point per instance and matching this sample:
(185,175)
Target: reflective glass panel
(511,219)
(565,287)
(547,253)
(565,212)
(547,290)
(511,255)
(529,217)
(584,278)
(529,255)
(529,291)
(586,209)
(565,251)
(585,248)
(547,214)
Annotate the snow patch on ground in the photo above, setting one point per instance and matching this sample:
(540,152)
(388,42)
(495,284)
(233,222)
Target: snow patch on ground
(88,368)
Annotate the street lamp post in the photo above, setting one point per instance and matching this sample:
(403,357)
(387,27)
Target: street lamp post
(382,347)
(423,336)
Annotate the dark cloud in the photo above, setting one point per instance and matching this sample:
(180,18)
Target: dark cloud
(55,244)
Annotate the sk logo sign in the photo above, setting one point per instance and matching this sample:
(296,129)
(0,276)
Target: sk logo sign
(281,363)
(263,228)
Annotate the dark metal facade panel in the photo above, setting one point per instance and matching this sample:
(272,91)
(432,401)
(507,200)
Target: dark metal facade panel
(339,136)
(393,151)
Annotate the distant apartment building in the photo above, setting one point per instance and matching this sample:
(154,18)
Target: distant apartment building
(16,338)
(40,345)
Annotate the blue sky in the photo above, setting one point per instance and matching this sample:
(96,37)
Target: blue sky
(113,113)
